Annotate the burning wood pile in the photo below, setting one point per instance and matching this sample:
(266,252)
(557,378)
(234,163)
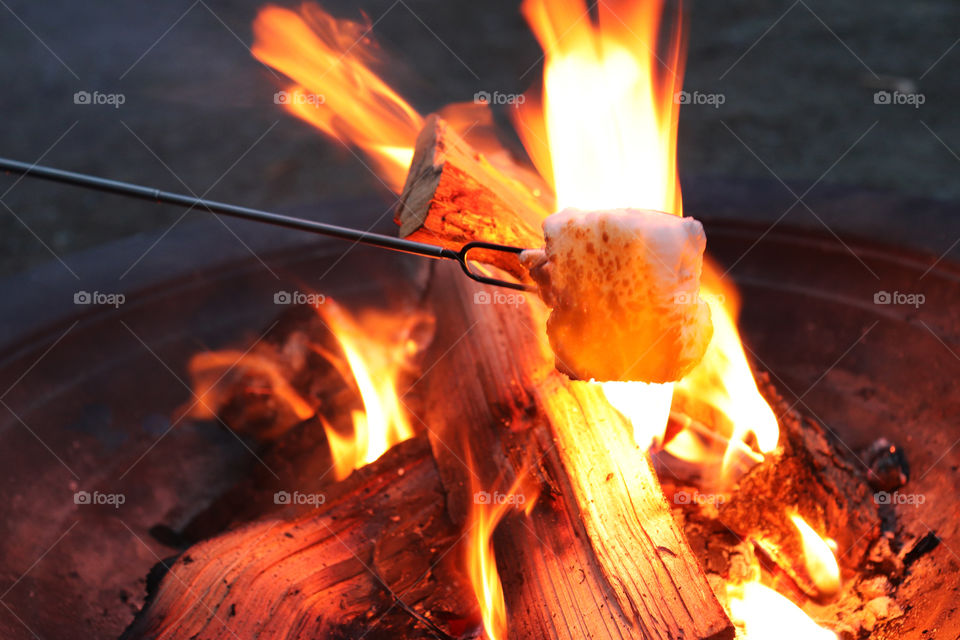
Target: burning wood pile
(451,469)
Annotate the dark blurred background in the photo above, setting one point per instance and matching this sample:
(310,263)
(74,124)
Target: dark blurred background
(798,81)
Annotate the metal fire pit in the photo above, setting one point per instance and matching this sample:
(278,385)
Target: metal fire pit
(90,391)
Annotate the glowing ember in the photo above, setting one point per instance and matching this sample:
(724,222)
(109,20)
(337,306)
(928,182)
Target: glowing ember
(820,561)
(375,359)
(209,369)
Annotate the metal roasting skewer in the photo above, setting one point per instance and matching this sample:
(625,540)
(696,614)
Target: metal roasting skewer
(257,215)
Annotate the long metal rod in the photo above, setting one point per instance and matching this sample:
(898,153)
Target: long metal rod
(258,215)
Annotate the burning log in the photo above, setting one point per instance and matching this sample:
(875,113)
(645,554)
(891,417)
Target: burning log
(371,560)
(811,476)
(494,397)
(375,556)
(827,491)
(608,515)
(453,194)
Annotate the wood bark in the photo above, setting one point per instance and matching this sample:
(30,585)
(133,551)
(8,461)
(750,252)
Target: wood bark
(454,195)
(376,560)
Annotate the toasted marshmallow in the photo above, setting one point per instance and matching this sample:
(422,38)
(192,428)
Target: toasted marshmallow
(624,288)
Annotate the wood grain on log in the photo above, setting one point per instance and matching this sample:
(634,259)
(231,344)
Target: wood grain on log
(601,555)
(454,195)
(335,571)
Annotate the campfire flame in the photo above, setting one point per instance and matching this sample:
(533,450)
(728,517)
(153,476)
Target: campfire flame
(208,368)
(610,117)
(604,134)
(376,348)
(723,383)
(335,90)
(487,511)
(762,614)
(820,561)
(608,106)
(374,362)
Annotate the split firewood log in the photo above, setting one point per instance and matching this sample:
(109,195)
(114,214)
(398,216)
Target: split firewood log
(453,195)
(839,503)
(376,558)
(601,555)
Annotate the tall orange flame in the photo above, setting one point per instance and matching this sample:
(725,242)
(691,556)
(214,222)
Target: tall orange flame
(487,511)
(723,382)
(376,348)
(375,359)
(335,90)
(608,108)
(610,120)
